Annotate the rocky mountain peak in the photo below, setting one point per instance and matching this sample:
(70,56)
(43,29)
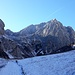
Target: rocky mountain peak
(54,20)
(53,24)
(53,27)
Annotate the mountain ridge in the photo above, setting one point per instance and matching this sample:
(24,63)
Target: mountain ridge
(40,39)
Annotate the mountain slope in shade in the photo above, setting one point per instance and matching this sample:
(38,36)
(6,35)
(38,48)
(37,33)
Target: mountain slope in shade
(58,64)
(9,48)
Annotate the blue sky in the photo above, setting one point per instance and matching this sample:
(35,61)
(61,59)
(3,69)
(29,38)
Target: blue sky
(18,14)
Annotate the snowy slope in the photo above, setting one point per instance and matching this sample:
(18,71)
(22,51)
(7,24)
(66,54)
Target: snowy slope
(3,62)
(58,64)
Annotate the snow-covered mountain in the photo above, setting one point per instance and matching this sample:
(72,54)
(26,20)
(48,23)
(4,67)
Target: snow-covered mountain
(35,40)
(57,64)
(48,36)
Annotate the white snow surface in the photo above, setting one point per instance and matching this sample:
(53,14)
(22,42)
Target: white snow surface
(3,62)
(56,64)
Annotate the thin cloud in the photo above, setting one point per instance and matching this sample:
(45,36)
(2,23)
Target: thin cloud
(56,11)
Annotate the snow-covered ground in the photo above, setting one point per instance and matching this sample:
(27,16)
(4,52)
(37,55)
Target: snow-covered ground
(3,62)
(57,64)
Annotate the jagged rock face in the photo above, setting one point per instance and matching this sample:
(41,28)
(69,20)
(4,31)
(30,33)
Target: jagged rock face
(53,35)
(2,25)
(10,46)
(14,49)
(71,34)
(46,37)
(55,29)
(2,53)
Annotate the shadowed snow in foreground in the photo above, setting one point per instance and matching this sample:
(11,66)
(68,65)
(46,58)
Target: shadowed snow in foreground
(57,64)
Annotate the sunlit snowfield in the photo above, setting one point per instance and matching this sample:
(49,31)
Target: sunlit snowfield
(57,64)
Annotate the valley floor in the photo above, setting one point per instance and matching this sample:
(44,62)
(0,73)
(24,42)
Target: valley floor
(57,64)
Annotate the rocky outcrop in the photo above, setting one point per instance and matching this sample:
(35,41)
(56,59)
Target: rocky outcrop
(2,25)
(9,32)
(14,49)
(3,55)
